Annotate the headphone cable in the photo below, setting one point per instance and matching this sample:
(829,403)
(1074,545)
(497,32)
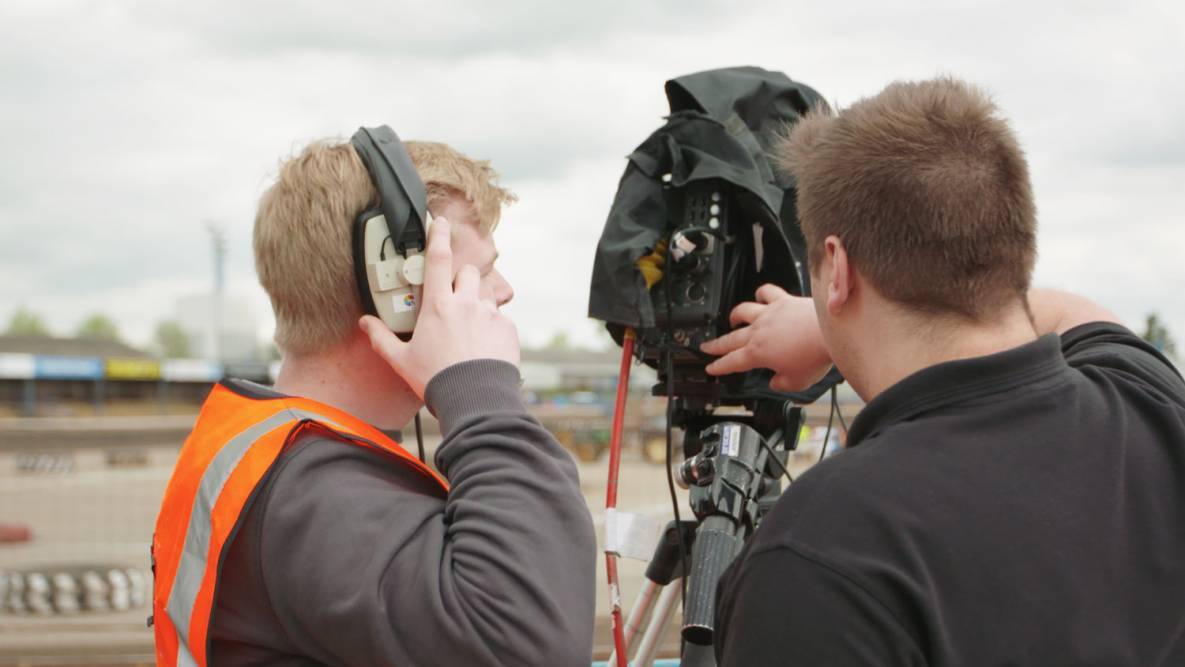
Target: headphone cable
(420,438)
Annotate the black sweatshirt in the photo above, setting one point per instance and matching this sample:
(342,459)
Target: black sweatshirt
(1024,508)
(347,557)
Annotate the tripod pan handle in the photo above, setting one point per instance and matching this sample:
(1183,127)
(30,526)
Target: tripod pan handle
(716,544)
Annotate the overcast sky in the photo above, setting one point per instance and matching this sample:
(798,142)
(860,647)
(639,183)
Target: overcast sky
(127,125)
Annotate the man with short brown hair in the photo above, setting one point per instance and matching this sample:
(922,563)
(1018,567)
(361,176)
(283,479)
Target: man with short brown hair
(928,188)
(1013,491)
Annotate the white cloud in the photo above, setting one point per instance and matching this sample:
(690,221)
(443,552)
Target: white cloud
(546,245)
(130,124)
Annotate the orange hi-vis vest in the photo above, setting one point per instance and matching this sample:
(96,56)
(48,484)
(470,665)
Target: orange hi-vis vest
(236,440)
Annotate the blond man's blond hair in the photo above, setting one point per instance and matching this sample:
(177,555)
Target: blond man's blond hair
(304,223)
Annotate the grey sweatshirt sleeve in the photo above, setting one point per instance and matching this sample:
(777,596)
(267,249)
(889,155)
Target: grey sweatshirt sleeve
(364,565)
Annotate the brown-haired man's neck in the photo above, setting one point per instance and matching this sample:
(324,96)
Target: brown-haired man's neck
(351,377)
(895,343)
(877,341)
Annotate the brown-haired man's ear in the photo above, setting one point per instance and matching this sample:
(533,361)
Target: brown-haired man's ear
(836,271)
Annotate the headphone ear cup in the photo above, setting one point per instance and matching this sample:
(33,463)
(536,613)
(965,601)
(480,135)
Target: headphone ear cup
(358,243)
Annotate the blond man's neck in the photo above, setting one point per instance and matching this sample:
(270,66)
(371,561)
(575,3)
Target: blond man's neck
(351,377)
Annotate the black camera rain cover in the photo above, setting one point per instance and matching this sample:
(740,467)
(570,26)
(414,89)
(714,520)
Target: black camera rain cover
(722,124)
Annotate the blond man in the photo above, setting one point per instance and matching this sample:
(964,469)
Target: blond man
(349,551)
(1012,493)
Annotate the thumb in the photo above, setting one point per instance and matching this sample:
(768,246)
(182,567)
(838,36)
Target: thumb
(769,292)
(784,383)
(383,341)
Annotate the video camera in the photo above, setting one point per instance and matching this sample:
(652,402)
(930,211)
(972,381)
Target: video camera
(699,222)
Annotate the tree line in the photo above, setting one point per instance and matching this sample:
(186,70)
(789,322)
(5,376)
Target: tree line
(169,339)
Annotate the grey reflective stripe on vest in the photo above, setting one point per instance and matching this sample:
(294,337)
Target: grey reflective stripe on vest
(192,568)
(184,657)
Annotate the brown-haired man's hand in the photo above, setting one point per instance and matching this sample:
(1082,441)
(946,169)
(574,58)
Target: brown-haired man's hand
(455,324)
(782,334)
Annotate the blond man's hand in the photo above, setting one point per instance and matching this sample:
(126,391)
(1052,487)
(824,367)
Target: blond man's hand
(454,323)
(780,332)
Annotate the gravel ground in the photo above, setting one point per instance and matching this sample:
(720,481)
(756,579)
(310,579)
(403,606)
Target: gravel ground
(94,509)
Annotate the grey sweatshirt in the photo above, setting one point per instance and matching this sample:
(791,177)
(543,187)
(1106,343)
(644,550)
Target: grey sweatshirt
(348,557)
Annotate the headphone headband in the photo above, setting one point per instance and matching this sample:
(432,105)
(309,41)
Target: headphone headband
(402,195)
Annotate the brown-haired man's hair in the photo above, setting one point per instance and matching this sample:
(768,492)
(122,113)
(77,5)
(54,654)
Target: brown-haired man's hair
(928,190)
(304,224)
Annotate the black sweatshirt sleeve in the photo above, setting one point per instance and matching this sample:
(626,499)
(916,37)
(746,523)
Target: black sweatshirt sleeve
(366,566)
(782,606)
(1111,348)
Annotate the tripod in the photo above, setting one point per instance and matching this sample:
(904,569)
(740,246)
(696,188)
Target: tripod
(731,471)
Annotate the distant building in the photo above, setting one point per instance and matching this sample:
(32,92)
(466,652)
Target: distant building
(46,376)
(579,370)
(240,340)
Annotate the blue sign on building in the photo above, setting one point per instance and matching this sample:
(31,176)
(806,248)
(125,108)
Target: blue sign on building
(67,368)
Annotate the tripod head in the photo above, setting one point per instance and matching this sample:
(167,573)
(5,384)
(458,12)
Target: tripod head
(731,487)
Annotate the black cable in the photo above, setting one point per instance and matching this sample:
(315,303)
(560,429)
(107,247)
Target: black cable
(420,438)
(671,474)
(842,422)
(730,276)
(671,488)
(383,248)
(668,268)
(770,450)
(830,419)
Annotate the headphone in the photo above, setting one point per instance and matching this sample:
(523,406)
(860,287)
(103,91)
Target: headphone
(389,241)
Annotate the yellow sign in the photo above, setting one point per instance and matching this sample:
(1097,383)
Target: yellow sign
(132,369)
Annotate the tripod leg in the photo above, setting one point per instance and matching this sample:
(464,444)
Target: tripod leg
(695,655)
(660,620)
(640,612)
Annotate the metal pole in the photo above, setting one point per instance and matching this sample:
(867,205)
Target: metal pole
(623,383)
(218,243)
(639,613)
(30,398)
(162,396)
(660,620)
(99,396)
